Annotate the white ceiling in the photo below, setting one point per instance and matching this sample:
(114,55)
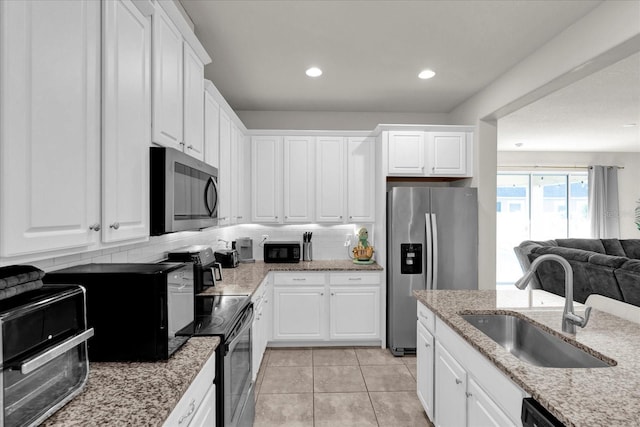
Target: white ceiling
(372,51)
(587,115)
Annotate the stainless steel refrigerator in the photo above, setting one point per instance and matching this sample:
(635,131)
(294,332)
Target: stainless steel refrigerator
(432,243)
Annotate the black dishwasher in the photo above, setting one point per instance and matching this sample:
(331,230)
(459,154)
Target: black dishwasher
(535,415)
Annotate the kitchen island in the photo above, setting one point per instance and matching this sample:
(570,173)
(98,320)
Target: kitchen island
(576,396)
(135,393)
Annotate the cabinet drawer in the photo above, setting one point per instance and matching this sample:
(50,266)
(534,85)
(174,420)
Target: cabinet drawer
(426,317)
(298,279)
(185,410)
(354,279)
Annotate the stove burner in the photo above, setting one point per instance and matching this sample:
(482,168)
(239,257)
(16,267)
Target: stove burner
(216,321)
(216,314)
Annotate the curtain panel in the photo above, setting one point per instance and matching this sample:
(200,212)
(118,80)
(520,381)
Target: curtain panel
(603,202)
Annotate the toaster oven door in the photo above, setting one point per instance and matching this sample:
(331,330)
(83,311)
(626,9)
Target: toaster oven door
(34,388)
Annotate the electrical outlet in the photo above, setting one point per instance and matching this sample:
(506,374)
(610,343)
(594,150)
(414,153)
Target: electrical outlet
(347,239)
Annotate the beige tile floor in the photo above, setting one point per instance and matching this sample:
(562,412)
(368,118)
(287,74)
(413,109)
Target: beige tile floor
(346,386)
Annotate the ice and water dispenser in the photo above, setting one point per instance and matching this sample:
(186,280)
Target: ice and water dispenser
(411,258)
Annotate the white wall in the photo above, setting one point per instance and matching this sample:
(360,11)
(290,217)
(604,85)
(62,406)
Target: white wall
(628,178)
(607,34)
(325,120)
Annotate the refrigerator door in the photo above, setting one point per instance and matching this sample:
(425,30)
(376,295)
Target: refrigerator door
(407,271)
(454,213)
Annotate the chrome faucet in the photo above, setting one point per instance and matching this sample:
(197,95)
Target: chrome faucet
(569,318)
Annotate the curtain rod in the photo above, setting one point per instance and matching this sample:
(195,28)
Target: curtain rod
(551,167)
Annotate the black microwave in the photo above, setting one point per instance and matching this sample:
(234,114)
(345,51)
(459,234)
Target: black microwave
(282,251)
(139,312)
(184,192)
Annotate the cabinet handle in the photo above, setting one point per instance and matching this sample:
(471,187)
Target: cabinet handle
(276,217)
(340,216)
(192,407)
(95,227)
(239,217)
(299,279)
(321,293)
(429,345)
(458,381)
(181,143)
(350,217)
(468,394)
(332,294)
(115,225)
(285,217)
(355,278)
(190,147)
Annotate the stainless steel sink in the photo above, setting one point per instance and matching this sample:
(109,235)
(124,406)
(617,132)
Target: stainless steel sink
(532,344)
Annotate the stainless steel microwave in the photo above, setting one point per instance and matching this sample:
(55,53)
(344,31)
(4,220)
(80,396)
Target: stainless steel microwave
(184,192)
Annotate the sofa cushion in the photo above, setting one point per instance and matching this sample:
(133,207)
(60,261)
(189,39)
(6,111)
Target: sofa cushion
(593,245)
(607,260)
(631,248)
(628,277)
(566,253)
(613,247)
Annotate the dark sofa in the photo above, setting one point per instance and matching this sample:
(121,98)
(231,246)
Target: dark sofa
(609,267)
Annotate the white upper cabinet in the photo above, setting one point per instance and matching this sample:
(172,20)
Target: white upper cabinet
(330,182)
(266,181)
(243,180)
(126,116)
(224,172)
(406,153)
(432,153)
(447,153)
(50,125)
(211,130)
(167,82)
(361,179)
(298,171)
(236,137)
(193,104)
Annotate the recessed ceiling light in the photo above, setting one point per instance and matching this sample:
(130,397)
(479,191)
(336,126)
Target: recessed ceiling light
(426,74)
(314,72)
(630,125)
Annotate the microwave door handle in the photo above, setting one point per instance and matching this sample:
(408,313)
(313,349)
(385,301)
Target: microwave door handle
(48,355)
(211,183)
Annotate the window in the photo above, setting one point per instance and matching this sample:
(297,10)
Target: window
(537,206)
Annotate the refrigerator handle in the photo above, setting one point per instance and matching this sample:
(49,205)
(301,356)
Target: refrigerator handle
(428,249)
(434,244)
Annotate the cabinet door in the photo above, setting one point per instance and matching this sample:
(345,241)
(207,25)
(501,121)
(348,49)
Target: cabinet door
(50,133)
(211,130)
(224,172)
(406,154)
(425,365)
(354,312)
(447,153)
(298,179)
(167,82)
(193,104)
(299,313)
(266,181)
(235,133)
(482,411)
(126,119)
(205,416)
(361,182)
(243,180)
(451,385)
(330,179)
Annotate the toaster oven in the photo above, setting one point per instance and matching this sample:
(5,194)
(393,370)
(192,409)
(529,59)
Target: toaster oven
(44,353)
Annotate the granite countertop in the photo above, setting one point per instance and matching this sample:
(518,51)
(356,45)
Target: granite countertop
(245,279)
(576,396)
(135,393)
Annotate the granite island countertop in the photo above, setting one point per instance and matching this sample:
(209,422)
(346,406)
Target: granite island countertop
(245,279)
(135,393)
(576,396)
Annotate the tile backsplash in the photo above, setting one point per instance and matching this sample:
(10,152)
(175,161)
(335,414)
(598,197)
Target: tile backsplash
(328,243)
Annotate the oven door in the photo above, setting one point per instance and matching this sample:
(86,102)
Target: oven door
(238,398)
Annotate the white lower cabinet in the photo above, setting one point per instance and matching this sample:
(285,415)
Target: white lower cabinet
(457,385)
(261,327)
(197,405)
(299,313)
(326,307)
(425,352)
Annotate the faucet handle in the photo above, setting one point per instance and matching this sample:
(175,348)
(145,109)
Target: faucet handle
(579,320)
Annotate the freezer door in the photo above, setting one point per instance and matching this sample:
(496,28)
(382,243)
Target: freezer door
(406,263)
(454,213)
